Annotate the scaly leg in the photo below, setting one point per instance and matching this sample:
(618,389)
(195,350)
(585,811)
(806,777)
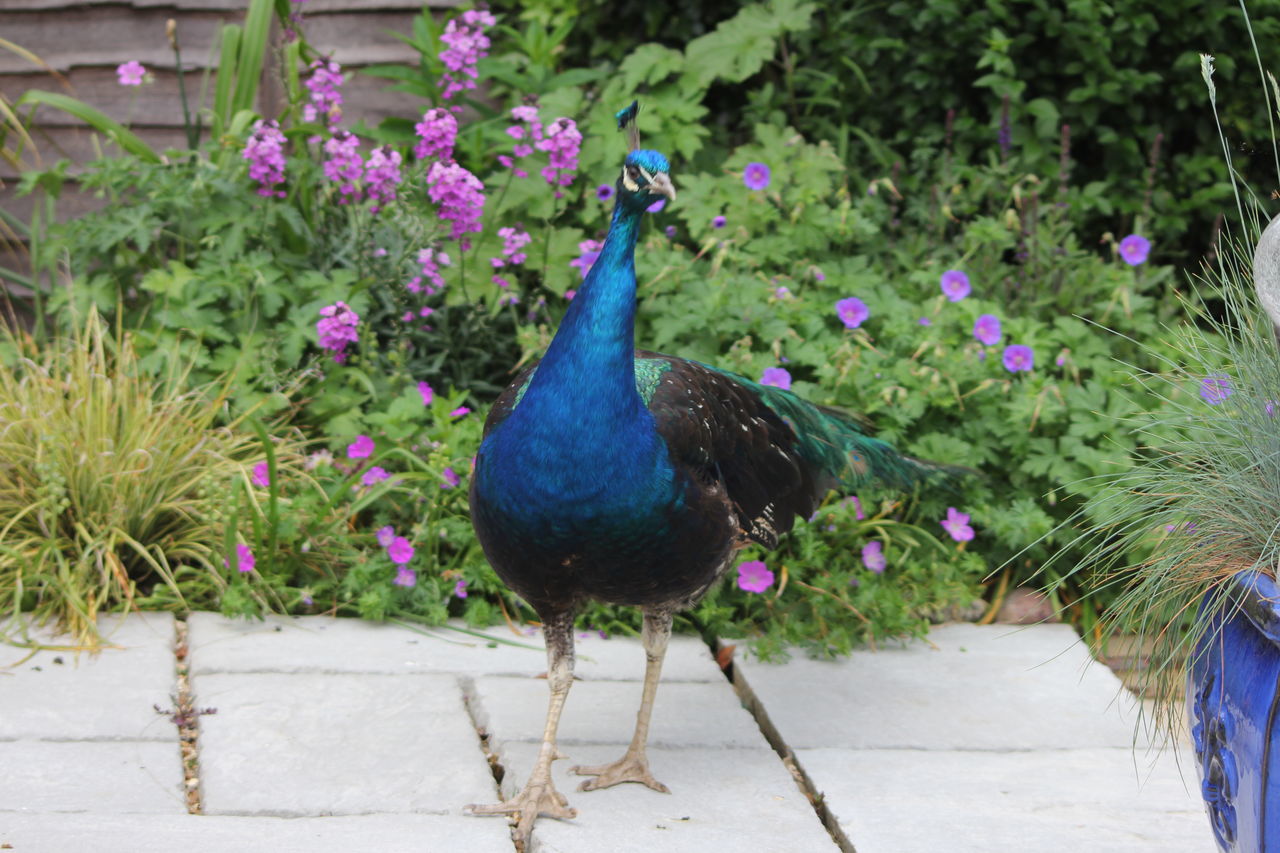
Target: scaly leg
(539,795)
(633,766)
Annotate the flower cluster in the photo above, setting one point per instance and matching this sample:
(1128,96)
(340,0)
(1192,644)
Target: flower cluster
(382,175)
(562,142)
(513,242)
(325,100)
(526,135)
(1216,388)
(400,550)
(437,133)
(465,45)
(344,164)
(430,261)
(337,329)
(264,149)
(458,194)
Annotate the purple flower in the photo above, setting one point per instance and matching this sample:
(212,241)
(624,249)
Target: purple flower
(336,329)
(261,475)
(852,311)
(718,222)
(322,84)
(430,261)
(857,506)
(427,394)
(385,535)
(459,412)
(1215,388)
(460,588)
(437,133)
(657,205)
(873,556)
(955,285)
(458,194)
(244,558)
(450,479)
(264,149)
(374,475)
(590,252)
(513,240)
(405,577)
(604,192)
(754,576)
(382,176)
(670,231)
(756,176)
(1134,249)
(987,329)
(957,525)
(1270,408)
(1018,357)
(465,45)
(360,448)
(401,552)
(131,73)
(777,377)
(344,165)
(925,321)
(562,143)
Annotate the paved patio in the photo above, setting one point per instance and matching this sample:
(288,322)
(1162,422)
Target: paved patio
(338,735)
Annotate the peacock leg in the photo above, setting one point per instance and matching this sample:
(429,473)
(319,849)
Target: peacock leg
(633,766)
(539,795)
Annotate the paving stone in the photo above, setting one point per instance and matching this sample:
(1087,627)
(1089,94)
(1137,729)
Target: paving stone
(118,833)
(604,712)
(306,744)
(1064,801)
(94,776)
(92,697)
(742,800)
(968,687)
(326,644)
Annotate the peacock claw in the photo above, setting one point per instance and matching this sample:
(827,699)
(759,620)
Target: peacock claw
(628,768)
(537,799)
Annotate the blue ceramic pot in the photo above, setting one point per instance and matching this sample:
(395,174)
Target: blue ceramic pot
(1232,700)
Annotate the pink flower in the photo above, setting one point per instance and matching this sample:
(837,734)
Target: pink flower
(131,73)
(852,311)
(873,556)
(382,176)
(778,377)
(465,45)
(756,176)
(400,551)
(1134,249)
(336,329)
(957,525)
(450,479)
(437,133)
(955,285)
(261,475)
(405,577)
(427,394)
(322,85)
(754,576)
(430,260)
(344,165)
(244,558)
(562,143)
(459,412)
(361,448)
(987,329)
(1018,357)
(385,535)
(460,588)
(374,475)
(264,149)
(590,250)
(857,506)
(458,194)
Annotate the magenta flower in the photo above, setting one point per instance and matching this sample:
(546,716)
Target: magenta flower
(925,321)
(244,559)
(336,329)
(458,194)
(460,588)
(131,73)
(385,535)
(604,192)
(264,149)
(1018,357)
(427,394)
(437,133)
(987,329)
(361,448)
(451,479)
(955,285)
(459,412)
(590,252)
(1134,249)
(873,556)
(562,142)
(382,176)
(401,552)
(857,506)
(957,525)
(718,222)
(852,311)
(1215,388)
(754,576)
(261,475)
(465,45)
(405,577)
(430,261)
(344,165)
(778,377)
(756,176)
(513,241)
(657,206)
(325,104)
(374,475)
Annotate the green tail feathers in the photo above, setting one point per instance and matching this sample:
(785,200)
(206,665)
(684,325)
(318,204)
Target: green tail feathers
(839,444)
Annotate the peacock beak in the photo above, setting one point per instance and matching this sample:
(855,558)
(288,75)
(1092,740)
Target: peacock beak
(661,184)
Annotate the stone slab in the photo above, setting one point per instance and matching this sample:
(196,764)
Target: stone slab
(326,644)
(994,687)
(110,777)
(740,800)
(118,833)
(92,697)
(604,712)
(1064,801)
(333,744)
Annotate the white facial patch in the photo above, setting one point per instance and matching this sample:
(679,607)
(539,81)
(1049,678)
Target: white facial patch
(627,182)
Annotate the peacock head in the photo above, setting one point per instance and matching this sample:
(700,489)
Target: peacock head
(645,177)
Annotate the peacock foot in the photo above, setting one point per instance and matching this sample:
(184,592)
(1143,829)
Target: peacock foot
(537,798)
(629,768)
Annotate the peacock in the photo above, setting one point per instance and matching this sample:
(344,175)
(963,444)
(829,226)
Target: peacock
(632,477)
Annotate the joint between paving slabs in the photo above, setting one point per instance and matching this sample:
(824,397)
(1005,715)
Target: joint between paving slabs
(186,716)
(480,723)
(724,656)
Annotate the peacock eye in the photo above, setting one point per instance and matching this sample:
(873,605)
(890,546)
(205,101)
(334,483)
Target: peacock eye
(633,173)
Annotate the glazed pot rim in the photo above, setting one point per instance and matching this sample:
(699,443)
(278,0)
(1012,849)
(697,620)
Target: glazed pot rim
(1257,595)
